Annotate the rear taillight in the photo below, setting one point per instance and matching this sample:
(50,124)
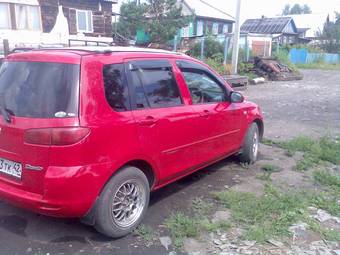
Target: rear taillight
(56,136)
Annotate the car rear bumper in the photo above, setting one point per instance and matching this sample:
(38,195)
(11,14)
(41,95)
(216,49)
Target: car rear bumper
(68,192)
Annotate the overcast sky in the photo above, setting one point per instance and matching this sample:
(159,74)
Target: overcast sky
(270,8)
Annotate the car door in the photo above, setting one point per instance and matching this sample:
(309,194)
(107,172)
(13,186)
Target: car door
(218,123)
(165,122)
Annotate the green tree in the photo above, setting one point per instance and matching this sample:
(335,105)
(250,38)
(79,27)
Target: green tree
(306,9)
(330,36)
(286,10)
(161,19)
(296,9)
(132,18)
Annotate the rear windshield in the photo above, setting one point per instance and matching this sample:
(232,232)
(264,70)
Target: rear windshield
(40,89)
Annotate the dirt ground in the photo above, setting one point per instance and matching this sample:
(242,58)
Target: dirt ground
(308,107)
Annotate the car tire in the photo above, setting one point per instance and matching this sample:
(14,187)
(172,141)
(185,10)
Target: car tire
(123,203)
(250,145)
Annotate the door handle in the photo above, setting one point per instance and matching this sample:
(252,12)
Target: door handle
(148,121)
(205,113)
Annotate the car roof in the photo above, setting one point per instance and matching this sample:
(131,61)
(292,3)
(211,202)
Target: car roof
(112,49)
(76,53)
(89,50)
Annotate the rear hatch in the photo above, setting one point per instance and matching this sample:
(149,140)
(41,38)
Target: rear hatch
(37,94)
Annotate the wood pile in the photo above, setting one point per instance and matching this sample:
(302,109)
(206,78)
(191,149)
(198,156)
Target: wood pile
(273,70)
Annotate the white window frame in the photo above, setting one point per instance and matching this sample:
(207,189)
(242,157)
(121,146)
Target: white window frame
(9,17)
(87,21)
(27,7)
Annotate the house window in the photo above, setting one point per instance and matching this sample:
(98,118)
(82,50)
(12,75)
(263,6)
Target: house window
(5,22)
(199,28)
(84,21)
(225,28)
(27,17)
(215,29)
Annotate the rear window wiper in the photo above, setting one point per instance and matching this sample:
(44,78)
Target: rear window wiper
(6,114)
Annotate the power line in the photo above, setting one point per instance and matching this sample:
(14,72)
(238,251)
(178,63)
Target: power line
(215,8)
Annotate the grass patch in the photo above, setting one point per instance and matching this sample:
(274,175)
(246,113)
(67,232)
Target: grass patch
(315,151)
(266,216)
(327,179)
(269,168)
(201,207)
(146,233)
(182,226)
(327,234)
(265,176)
(267,141)
(270,215)
(327,201)
(323,66)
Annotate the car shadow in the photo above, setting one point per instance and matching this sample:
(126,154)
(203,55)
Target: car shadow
(163,202)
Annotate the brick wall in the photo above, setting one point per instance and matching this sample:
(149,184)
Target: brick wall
(102,20)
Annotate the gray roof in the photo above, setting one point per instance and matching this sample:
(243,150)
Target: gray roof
(266,25)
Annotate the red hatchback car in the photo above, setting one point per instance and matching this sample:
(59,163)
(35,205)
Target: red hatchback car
(89,132)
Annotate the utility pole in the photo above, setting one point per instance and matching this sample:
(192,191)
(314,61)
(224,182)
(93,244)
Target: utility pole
(236,38)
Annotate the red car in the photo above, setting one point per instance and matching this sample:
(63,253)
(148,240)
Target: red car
(89,132)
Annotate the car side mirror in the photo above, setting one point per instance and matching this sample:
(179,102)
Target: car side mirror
(236,97)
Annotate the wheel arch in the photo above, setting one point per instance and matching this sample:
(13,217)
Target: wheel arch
(143,165)
(260,125)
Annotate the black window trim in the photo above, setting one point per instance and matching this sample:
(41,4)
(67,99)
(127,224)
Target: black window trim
(189,65)
(148,63)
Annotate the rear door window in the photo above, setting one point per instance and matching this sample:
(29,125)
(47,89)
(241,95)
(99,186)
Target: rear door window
(116,89)
(40,89)
(154,83)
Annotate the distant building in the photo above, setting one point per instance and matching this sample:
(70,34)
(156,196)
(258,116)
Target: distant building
(310,26)
(281,29)
(207,19)
(30,23)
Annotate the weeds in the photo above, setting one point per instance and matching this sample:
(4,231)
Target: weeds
(327,234)
(267,169)
(266,216)
(201,207)
(146,233)
(315,151)
(182,226)
(327,201)
(267,141)
(327,179)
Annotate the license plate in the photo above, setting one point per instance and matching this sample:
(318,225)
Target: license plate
(10,167)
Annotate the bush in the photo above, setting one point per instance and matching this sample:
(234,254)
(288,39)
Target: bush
(216,65)
(211,48)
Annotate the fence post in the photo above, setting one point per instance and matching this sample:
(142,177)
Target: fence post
(226,47)
(175,43)
(247,48)
(6,47)
(202,48)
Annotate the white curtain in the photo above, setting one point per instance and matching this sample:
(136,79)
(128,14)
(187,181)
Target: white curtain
(21,16)
(4,16)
